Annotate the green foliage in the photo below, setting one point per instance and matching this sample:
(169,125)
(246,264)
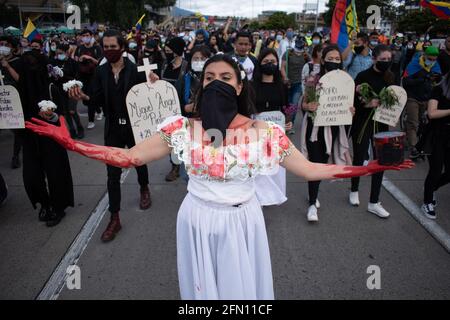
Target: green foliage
(123,13)
(280,21)
(420,22)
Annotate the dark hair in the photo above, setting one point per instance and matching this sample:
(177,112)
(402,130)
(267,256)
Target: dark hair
(389,76)
(277,80)
(374,33)
(363,36)
(316,50)
(246,105)
(116,34)
(325,51)
(63,47)
(316,34)
(38,41)
(204,50)
(86,31)
(244,34)
(13,42)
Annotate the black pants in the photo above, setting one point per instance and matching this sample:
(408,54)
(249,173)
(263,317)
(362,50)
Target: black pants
(121,136)
(317,152)
(92,109)
(73,118)
(46,172)
(17,142)
(360,154)
(438,160)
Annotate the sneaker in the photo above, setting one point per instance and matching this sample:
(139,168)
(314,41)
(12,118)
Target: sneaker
(312,214)
(434,202)
(91,125)
(317,204)
(428,210)
(378,210)
(354,198)
(99,116)
(55,218)
(80,134)
(291,132)
(414,154)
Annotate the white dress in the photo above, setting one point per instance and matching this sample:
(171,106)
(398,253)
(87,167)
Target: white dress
(222,246)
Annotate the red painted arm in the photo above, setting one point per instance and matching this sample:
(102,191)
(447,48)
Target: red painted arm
(113,156)
(371,168)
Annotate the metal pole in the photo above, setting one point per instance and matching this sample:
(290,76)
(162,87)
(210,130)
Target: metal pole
(20,16)
(317,15)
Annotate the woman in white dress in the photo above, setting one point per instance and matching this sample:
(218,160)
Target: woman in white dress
(222,247)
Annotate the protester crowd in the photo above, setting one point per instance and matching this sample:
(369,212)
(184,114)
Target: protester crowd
(281,65)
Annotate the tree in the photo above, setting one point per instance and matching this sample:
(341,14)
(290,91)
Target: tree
(280,21)
(361,8)
(124,13)
(422,23)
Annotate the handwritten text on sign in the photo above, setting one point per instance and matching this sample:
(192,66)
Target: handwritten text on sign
(336,99)
(11,113)
(272,116)
(149,105)
(391,115)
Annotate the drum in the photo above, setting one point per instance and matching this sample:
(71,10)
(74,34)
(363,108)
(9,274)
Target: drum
(390,148)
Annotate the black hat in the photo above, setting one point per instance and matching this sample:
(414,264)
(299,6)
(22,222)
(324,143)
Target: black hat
(176,45)
(151,44)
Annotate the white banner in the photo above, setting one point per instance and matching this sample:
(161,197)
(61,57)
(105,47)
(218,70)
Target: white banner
(11,112)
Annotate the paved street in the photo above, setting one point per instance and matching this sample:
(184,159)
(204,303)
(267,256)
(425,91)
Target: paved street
(327,260)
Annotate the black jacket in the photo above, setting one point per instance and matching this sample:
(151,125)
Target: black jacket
(99,95)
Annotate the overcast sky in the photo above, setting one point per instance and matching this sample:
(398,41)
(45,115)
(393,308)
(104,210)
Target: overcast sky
(244,7)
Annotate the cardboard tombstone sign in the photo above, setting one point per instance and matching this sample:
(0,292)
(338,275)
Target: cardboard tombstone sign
(11,112)
(390,115)
(272,116)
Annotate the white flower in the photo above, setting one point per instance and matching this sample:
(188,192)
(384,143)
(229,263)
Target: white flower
(57,72)
(46,105)
(72,83)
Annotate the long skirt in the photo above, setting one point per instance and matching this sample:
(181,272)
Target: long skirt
(271,189)
(222,251)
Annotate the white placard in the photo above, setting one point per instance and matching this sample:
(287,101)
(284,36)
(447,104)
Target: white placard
(149,105)
(390,116)
(272,116)
(11,112)
(336,98)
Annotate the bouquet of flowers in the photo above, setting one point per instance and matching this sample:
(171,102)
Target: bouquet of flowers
(46,106)
(290,110)
(72,83)
(312,92)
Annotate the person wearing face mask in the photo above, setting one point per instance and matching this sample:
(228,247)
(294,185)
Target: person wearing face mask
(152,52)
(46,169)
(88,57)
(242,48)
(201,38)
(133,50)
(318,144)
(10,65)
(444,57)
(418,79)
(374,39)
(409,54)
(291,70)
(359,60)
(222,245)
(69,67)
(287,43)
(110,86)
(378,77)
(398,57)
(316,39)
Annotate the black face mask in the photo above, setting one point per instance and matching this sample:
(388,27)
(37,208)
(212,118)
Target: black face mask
(219,106)
(359,49)
(331,66)
(170,57)
(383,66)
(269,69)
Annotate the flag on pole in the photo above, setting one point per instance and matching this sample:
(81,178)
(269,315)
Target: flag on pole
(138,27)
(439,8)
(31,32)
(344,23)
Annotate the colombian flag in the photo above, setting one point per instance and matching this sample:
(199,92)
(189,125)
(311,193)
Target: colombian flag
(345,21)
(439,8)
(138,28)
(31,32)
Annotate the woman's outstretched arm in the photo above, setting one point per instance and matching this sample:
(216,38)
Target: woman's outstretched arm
(300,166)
(147,151)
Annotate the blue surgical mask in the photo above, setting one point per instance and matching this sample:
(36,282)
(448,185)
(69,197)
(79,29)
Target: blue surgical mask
(374,43)
(279,38)
(62,57)
(429,63)
(290,35)
(316,41)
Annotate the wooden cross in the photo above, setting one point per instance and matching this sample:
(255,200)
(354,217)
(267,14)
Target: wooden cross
(1,78)
(147,68)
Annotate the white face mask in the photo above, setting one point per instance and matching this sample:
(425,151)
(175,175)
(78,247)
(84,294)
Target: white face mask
(5,51)
(197,66)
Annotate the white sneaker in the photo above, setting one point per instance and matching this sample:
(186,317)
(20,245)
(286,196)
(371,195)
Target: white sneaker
(91,125)
(312,214)
(354,198)
(428,210)
(317,204)
(377,209)
(99,116)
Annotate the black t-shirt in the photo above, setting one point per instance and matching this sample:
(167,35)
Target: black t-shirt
(15,63)
(269,97)
(444,62)
(87,67)
(170,74)
(443,103)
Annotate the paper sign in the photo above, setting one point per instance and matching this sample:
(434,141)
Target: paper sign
(11,112)
(272,116)
(390,116)
(336,98)
(149,105)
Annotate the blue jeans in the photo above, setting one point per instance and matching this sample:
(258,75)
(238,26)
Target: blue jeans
(294,94)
